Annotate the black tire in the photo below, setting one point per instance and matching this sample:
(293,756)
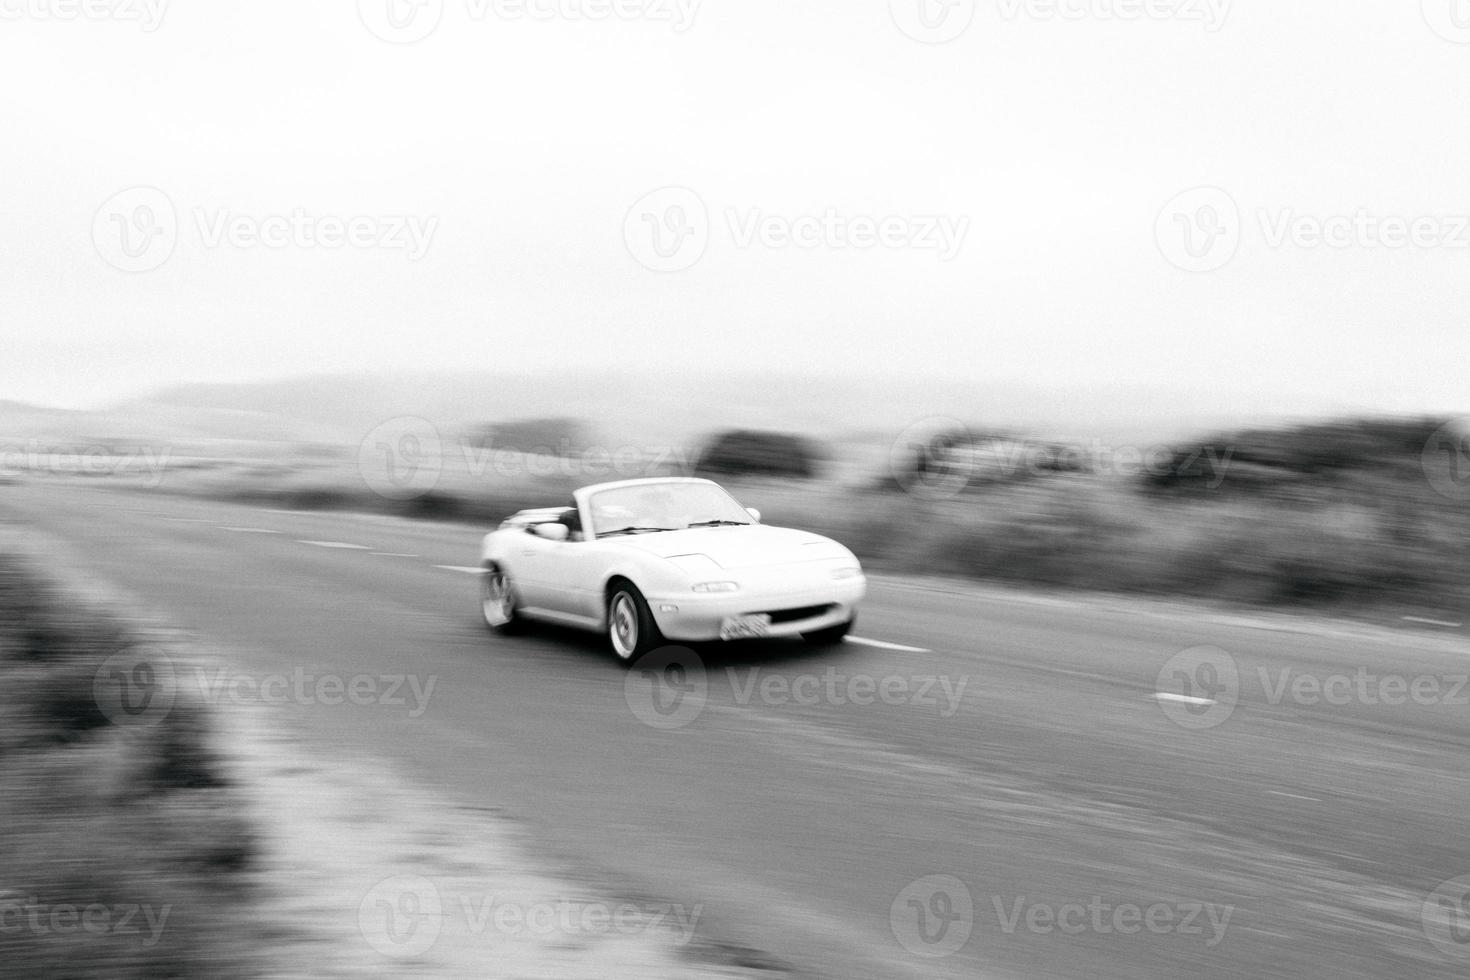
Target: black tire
(498,605)
(631,630)
(830,636)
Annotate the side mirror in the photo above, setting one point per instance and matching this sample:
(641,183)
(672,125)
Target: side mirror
(551,532)
(755,515)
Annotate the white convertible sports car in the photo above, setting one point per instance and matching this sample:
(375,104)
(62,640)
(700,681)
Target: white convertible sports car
(667,559)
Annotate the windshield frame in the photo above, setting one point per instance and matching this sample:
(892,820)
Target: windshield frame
(737,512)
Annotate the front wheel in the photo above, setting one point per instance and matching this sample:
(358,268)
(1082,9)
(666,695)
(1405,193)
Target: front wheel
(631,631)
(831,635)
(498,600)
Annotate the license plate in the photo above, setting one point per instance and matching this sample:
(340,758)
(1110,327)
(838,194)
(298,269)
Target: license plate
(745,627)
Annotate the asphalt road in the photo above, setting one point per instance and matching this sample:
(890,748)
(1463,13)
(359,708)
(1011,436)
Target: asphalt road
(1016,745)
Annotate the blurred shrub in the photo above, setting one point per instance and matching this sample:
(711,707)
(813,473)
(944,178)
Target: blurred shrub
(101,817)
(543,437)
(746,452)
(973,459)
(1280,460)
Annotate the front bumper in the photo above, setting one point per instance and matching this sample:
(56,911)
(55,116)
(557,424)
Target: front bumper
(695,617)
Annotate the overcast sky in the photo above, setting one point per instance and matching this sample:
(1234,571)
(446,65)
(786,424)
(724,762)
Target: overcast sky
(850,195)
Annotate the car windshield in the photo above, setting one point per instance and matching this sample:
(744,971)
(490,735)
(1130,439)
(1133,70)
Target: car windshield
(651,507)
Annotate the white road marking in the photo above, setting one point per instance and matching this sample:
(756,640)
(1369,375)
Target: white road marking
(1293,796)
(336,544)
(392,554)
(1432,622)
(462,568)
(248,530)
(1183,699)
(189,520)
(881,645)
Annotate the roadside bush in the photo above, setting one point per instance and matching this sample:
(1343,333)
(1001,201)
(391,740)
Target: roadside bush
(745,452)
(109,819)
(543,437)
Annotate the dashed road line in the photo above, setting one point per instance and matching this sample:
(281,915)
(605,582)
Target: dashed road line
(462,568)
(393,554)
(248,530)
(1293,796)
(336,544)
(1433,622)
(1183,699)
(882,645)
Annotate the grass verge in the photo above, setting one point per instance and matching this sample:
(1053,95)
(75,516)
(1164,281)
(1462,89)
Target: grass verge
(124,852)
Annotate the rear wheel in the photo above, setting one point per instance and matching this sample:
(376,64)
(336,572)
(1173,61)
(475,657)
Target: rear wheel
(498,599)
(831,635)
(631,631)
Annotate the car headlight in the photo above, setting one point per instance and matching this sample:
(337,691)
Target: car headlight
(717,587)
(847,571)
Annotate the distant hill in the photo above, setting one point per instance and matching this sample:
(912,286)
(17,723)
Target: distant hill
(660,406)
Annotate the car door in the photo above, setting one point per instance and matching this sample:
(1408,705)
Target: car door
(573,573)
(530,561)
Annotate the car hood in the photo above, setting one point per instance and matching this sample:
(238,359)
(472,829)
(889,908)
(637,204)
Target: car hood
(740,547)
